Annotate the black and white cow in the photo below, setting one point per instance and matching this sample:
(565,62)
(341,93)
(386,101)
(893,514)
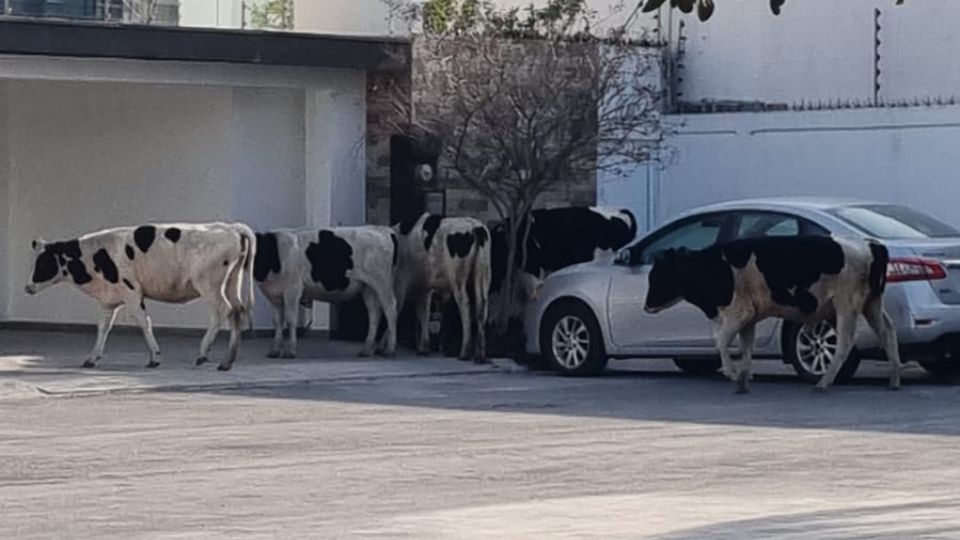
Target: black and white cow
(802,279)
(562,237)
(450,256)
(173,263)
(294,268)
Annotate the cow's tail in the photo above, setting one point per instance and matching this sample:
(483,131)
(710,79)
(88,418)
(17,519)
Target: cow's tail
(633,222)
(878,267)
(481,275)
(248,253)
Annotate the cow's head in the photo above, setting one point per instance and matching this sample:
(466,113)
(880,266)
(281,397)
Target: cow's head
(664,288)
(50,263)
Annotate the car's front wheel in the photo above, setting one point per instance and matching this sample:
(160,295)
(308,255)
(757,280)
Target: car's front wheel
(811,350)
(570,339)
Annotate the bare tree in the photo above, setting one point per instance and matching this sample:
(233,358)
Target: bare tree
(517,117)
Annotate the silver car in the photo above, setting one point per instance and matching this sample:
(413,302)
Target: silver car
(586,314)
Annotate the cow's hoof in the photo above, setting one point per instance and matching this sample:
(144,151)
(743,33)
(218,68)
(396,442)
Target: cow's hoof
(388,354)
(88,364)
(741,389)
(363,354)
(288,354)
(224,367)
(201,361)
(481,361)
(464,358)
(894,387)
(273,354)
(820,389)
(153,364)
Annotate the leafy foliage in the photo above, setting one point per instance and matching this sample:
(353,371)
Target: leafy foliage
(272,14)
(705,8)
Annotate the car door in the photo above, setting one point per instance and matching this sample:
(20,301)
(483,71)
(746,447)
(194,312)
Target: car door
(683,326)
(760,224)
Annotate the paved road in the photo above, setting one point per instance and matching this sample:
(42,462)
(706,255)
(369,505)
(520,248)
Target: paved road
(438,452)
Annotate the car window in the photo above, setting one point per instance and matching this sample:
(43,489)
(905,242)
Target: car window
(891,221)
(768,224)
(696,234)
(761,224)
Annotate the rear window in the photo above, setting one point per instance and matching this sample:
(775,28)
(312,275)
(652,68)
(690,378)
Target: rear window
(891,221)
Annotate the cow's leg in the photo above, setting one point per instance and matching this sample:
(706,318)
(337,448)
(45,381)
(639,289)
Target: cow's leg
(217,309)
(277,346)
(146,324)
(423,318)
(291,318)
(108,315)
(305,318)
(233,348)
(846,331)
(388,303)
(745,375)
(729,328)
(481,309)
(887,336)
(373,320)
(463,305)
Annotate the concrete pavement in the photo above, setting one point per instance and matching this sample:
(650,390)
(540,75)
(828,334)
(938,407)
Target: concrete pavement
(641,453)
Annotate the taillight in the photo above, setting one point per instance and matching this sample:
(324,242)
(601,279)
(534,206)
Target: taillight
(910,269)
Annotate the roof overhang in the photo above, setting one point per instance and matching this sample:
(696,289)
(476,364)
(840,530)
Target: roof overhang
(99,40)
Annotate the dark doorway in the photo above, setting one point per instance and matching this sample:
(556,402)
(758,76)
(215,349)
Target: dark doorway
(407,157)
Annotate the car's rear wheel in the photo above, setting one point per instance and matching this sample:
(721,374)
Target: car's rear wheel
(571,341)
(811,350)
(698,367)
(942,368)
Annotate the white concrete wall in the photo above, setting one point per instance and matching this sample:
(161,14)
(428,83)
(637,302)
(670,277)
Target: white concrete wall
(85,156)
(212,13)
(822,50)
(898,155)
(173,141)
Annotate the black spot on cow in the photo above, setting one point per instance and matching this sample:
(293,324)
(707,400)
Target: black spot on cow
(129,250)
(61,257)
(128,284)
(144,236)
(103,263)
(330,258)
(482,236)
(396,248)
(459,244)
(172,234)
(430,226)
(789,266)
(878,268)
(78,271)
(702,278)
(267,259)
(143,306)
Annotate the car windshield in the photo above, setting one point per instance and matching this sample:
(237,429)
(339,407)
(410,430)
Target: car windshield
(889,221)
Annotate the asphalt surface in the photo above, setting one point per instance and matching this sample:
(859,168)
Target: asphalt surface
(338,447)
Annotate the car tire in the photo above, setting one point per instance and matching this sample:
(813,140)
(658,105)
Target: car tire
(571,341)
(698,367)
(942,368)
(800,348)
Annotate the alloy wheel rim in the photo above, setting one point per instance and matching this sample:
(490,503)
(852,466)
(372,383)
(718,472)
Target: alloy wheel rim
(570,342)
(816,347)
